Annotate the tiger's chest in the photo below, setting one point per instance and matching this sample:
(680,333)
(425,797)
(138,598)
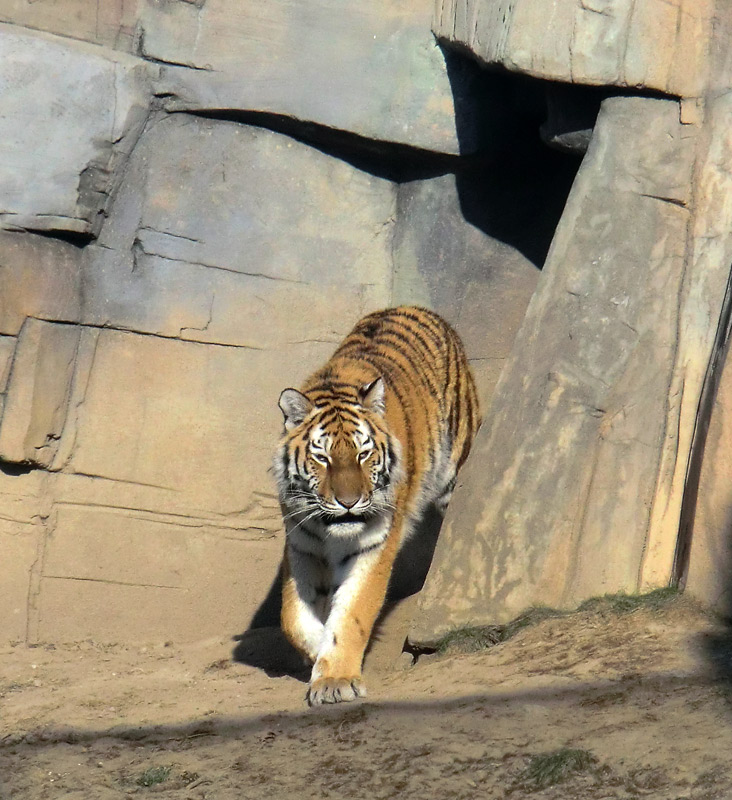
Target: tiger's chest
(339,547)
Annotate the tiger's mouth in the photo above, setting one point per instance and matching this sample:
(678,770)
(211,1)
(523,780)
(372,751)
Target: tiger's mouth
(338,519)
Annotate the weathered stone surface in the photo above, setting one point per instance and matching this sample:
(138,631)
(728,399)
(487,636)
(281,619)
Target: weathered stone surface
(39,277)
(219,583)
(111,23)
(478,283)
(164,498)
(109,552)
(656,45)
(369,68)
(235,235)
(710,562)
(21,537)
(7,348)
(182,576)
(21,496)
(38,391)
(71,112)
(555,503)
(18,543)
(199,421)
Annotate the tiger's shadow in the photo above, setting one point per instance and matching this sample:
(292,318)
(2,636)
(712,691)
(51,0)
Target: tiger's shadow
(264,646)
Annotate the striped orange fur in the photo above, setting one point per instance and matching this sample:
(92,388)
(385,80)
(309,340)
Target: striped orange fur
(371,440)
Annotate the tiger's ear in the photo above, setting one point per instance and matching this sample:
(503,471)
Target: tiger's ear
(295,406)
(372,396)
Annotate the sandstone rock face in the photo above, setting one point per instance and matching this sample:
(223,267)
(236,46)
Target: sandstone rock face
(372,69)
(706,537)
(473,280)
(598,42)
(37,392)
(41,278)
(59,156)
(190,250)
(710,558)
(201,197)
(21,540)
(112,23)
(563,497)
(209,264)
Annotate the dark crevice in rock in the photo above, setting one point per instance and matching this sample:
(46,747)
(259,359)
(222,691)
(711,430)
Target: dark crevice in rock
(517,186)
(137,332)
(389,160)
(529,135)
(14,469)
(571,113)
(76,238)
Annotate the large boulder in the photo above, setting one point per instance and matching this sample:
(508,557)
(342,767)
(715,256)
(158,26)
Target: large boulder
(574,487)
(705,554)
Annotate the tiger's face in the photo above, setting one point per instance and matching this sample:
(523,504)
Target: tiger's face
(337,461)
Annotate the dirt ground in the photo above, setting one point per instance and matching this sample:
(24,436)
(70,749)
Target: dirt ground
(624,704)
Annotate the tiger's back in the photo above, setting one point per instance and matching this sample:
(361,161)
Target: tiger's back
(372,438)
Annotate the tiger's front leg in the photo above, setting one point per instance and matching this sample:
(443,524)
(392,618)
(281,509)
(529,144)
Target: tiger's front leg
(336,675)
(301,580)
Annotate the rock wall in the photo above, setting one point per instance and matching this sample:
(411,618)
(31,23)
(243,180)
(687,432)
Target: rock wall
(201,197)
(199,201)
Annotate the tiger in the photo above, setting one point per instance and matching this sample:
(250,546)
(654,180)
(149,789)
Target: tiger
(370,441)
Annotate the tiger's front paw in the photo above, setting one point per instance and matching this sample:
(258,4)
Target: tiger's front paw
(334,690)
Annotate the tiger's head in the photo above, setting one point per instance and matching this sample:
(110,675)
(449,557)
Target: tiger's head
(337,460)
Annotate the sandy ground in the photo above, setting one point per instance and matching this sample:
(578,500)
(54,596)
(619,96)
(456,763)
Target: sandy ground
(641,697)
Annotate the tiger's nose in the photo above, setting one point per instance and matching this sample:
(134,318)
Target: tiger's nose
(348,501)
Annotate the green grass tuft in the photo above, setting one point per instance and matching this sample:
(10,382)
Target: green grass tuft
(627,603)
(476,638)
(154,776)
(469,640)
(531,617)
(555,767)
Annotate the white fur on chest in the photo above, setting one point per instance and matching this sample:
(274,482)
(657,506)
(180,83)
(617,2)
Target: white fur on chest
(337,544)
